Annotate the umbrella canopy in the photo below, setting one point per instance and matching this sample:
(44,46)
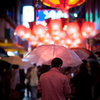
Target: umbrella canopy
(80,53)
(45,53)
(90,53)
(3,52)
(13,60)
(26,65)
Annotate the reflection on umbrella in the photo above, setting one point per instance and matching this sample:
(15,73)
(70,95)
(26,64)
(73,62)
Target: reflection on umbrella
(13,60)
(44,53)
(3,53)
(80,53)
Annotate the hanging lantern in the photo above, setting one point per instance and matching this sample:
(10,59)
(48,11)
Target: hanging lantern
(55,25)
(62,35)
(74,44)
(20,30)
(68,41)
(88,27)
(62,4)
(38,30)
(85,35)
(78,40)
(72,28)
(28,34)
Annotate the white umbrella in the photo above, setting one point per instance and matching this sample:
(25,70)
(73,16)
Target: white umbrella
(13,60)
(45,53)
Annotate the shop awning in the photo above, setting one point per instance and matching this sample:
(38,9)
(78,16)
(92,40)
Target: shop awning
(12,47)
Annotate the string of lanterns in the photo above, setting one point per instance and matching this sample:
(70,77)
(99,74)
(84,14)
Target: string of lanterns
(54,33)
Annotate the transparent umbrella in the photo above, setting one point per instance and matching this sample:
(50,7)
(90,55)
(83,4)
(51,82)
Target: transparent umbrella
(45,53)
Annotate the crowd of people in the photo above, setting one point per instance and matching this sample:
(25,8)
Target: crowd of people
(11,82)
(50,82)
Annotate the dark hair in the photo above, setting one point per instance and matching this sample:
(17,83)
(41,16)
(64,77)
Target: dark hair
(84,61)
(34,64)
(56,62)
(15,66)
(83,68)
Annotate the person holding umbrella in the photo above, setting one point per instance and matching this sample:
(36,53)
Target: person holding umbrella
(54,85)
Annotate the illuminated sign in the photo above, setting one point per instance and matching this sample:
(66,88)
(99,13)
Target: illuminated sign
(28,15)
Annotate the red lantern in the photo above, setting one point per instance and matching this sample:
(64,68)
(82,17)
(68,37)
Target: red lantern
(55,25)
(62,35)
(72,28)
(28,34)
(39,30)
(88,27)
(62,4)
(20,30)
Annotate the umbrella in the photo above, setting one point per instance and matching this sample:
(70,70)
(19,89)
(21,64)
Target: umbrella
(81,54)
(90,53)
(13,60)
(45,53)
(26,64)
(3,52)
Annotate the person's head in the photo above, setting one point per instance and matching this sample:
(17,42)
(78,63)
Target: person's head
(84,61)
(83,69)
(34,64)
(56,62)
(15,66)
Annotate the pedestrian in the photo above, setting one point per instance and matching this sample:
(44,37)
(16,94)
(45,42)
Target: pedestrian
(83,83)
(53,85)
(28,81)
(33,82)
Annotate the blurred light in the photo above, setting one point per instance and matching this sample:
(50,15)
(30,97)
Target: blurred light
(14,33)
(6,41)
(52,14)
(16,52)
(65,27)
(28,15)
(84,34)
(10,53)
(68,41)
(75,15)
(24,60)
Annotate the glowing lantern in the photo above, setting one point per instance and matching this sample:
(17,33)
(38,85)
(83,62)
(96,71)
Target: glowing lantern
(62,4)
(28,34)
(34,43)
(74,44)
(55,25)
(88,27)
(68,42)
(20,30)
(78,40)
(62,35)
(33,40)
(72,28)
(61,42)
(39,29)
(85,35)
